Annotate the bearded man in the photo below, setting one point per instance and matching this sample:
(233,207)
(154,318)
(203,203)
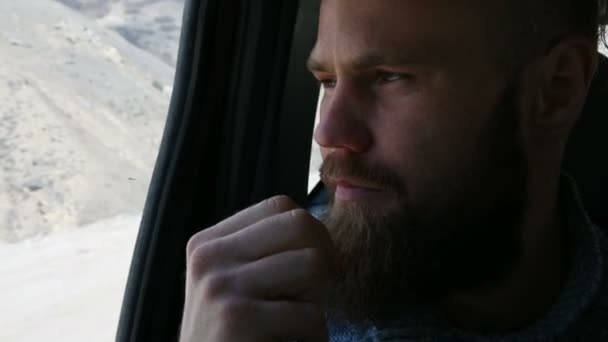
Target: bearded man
(442,125)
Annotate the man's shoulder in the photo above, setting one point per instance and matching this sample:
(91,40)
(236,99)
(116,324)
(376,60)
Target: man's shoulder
(592,324)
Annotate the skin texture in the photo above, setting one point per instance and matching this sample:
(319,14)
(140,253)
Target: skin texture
(425,140)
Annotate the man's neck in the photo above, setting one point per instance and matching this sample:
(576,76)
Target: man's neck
(531,288)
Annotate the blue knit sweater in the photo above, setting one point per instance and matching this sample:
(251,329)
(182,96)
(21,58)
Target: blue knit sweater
(580,313)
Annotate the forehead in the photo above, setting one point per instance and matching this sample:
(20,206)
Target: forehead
(416,29)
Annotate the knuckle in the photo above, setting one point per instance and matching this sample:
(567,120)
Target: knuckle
(234,313)
(303,229)
(192,244)
(300,215)
(195,241)
(204,255)
(216,285)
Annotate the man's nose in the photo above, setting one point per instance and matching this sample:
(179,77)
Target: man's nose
(343,122)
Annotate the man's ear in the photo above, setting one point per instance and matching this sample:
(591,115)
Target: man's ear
(565,75)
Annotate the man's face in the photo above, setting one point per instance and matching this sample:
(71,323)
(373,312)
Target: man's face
(419,135)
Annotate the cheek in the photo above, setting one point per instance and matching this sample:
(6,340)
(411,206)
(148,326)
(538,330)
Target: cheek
(424,143)
(404,133)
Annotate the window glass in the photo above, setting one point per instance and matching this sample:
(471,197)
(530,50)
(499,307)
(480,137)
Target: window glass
(315,155)
(85,87)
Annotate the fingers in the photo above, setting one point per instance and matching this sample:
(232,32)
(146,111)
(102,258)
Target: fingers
(259,275)
(301,274)
(249,216)
(291,230)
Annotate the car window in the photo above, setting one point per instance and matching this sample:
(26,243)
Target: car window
(85,87)
(315,154)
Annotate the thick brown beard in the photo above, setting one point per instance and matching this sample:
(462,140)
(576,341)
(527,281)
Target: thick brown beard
(464,238)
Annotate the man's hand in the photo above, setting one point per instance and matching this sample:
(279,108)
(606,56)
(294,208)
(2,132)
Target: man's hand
(260,275)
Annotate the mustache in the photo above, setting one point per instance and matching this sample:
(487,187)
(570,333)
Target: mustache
(375,174)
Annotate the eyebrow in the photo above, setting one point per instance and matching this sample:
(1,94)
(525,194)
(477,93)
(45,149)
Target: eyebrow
(364,62)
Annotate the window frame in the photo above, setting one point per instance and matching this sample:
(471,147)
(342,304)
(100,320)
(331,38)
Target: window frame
(239,130)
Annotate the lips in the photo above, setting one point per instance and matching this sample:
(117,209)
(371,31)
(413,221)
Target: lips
(348,190)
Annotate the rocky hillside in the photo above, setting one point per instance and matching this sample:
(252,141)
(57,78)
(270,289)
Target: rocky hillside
(82,111)
(153,25)
(84,87)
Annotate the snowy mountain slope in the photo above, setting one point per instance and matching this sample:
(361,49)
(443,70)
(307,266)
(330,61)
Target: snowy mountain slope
(153,25)
(81,117)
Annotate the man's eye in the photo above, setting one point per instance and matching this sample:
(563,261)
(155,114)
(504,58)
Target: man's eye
(392,77)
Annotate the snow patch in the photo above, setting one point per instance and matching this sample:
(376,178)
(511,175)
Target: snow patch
(67,286)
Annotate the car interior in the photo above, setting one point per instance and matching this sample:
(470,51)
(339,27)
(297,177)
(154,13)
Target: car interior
(240,129)
(585,156)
